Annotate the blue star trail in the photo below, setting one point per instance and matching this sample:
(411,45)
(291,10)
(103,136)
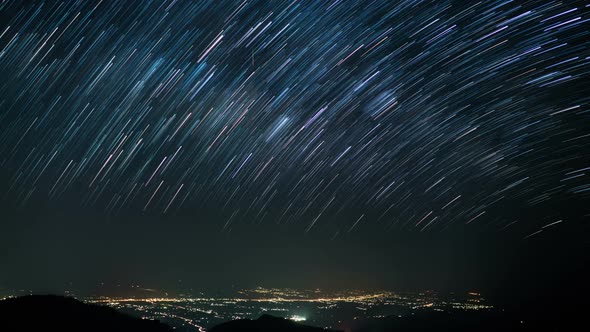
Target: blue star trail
(322,116)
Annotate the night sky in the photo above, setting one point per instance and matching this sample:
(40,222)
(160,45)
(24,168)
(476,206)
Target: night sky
(398,144)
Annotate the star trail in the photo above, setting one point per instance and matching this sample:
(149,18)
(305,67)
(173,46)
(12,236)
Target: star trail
(319,116)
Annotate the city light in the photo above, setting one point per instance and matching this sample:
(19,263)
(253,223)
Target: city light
(297,318)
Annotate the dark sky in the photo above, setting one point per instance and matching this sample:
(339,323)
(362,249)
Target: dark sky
(414,144)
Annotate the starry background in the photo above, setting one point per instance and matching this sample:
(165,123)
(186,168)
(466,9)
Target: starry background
(420,143)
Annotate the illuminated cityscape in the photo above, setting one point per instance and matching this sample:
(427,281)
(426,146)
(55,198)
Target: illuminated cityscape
(314,307)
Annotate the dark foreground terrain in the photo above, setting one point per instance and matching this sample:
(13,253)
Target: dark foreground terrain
(462,321)
(57,313)
(266,323)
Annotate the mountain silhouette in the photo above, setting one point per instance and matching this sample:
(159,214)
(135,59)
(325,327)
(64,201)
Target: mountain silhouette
(266,323)
(58,313)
